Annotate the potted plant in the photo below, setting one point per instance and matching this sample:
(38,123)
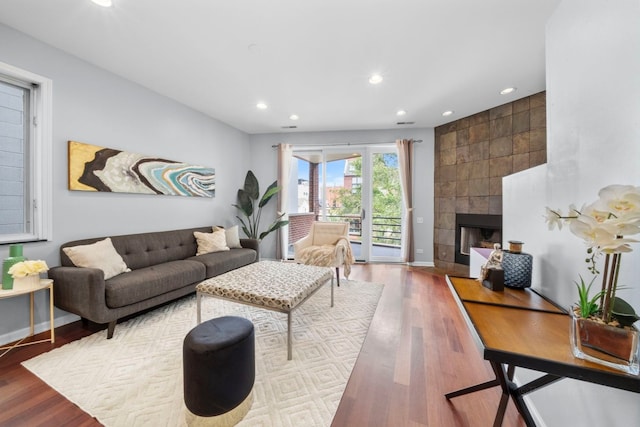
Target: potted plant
(26,274)
(248,197)
(602,325)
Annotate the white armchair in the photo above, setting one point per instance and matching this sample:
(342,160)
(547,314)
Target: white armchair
(326,245)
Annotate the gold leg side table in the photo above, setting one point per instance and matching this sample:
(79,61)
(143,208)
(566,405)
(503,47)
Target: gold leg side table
(31,290)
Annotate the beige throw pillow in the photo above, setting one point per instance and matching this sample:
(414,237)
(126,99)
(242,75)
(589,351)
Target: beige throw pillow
(100,255)
(232,236)
(211,242)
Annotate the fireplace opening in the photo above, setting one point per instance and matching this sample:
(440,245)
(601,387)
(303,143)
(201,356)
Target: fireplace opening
(475,231)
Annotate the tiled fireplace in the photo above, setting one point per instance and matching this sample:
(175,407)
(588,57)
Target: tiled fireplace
(472,155)
(476,231)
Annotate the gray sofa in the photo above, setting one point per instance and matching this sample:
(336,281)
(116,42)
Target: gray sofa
(164,267)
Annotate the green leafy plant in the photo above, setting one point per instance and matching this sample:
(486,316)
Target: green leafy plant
(588,306)
(248,197)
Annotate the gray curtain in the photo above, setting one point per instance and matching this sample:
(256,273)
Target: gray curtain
(405,160)
(285,153)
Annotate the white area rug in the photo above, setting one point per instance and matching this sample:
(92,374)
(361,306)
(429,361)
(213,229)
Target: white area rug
(135,379)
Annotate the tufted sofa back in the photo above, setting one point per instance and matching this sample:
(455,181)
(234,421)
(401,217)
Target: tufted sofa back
(147,249)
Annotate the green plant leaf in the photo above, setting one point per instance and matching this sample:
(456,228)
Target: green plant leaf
(271,191)
(251,186)
(245,204)
(623,311)
(244,228)
(276,225)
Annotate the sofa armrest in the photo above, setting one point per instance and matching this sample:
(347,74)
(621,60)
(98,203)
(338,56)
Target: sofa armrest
(251,244)
(80,291)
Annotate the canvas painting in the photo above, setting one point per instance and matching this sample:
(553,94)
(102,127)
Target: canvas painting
(94,168)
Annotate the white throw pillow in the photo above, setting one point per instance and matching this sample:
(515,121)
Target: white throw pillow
(100,255)
(211,242)
(232,236)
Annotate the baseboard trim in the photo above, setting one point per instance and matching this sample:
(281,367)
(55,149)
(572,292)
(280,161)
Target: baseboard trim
(19,334)
(421,264)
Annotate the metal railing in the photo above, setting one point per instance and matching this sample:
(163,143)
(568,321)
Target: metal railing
(385,230)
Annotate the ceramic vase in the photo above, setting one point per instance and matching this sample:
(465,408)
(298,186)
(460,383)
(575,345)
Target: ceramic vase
(15,256)
(27,282)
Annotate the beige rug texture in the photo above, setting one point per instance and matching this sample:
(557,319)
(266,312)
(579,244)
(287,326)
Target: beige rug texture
(135,379)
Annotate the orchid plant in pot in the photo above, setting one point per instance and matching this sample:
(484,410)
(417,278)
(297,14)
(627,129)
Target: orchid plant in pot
(602,326)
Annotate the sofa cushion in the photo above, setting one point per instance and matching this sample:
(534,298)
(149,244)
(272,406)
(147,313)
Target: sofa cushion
(101,255)
(211,242)
(221,262)
(149,282)
(232,236)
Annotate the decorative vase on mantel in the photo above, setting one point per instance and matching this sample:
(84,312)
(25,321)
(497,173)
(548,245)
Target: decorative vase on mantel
(15,256)
(612,346)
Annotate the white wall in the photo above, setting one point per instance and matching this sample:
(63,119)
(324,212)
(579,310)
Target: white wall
(93,106)
(593,140)
(264,165)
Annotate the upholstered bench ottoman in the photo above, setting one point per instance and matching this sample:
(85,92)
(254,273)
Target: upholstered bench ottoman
(219,371)
(272,285)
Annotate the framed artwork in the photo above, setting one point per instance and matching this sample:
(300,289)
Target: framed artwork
(94,168)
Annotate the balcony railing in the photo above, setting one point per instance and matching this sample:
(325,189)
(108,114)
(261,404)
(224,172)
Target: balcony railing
(385,230)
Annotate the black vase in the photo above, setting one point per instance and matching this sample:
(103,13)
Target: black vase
(517,269)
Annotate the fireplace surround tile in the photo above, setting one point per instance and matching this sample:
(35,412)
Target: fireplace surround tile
(472,155)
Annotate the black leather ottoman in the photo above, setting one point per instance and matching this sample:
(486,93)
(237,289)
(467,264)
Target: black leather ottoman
(219,370)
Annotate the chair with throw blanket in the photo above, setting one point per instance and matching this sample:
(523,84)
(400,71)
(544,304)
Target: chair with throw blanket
(326,245)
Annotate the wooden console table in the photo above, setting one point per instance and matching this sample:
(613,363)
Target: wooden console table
(521,328)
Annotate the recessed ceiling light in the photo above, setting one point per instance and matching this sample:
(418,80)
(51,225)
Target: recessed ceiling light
(261,106)
(294,117)
(507,90)
(401,113)
(375,79)
(447,113)
(103,3)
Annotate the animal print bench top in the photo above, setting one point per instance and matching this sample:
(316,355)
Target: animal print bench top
(277,285)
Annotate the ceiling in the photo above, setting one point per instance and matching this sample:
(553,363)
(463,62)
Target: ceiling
(312,58)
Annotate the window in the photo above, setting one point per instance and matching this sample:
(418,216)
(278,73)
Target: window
(25,156)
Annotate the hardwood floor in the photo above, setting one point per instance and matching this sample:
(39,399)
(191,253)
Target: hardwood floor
(418,348)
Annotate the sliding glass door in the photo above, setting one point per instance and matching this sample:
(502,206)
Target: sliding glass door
(359,186)
(386,205)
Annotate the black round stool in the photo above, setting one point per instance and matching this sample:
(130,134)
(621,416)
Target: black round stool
(219,368)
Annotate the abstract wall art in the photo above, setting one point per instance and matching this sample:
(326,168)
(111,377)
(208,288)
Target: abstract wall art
(94,168)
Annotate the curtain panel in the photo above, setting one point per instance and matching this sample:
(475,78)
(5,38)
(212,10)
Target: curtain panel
(405,160)
(285,154)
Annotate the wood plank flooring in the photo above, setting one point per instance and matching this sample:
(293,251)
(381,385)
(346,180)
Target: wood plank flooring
(418,348)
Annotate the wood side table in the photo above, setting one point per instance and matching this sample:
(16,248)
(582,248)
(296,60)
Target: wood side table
(521,328)
(31,290)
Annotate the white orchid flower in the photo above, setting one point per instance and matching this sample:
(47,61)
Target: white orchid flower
(620,200)
(554,218)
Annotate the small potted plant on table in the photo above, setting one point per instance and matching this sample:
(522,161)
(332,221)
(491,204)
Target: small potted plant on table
(602,328)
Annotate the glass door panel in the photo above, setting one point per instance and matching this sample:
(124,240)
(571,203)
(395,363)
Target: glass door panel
(361,187)
(343,195)
(386,206)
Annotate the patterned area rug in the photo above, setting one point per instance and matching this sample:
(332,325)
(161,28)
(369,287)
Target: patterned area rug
(135,379)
